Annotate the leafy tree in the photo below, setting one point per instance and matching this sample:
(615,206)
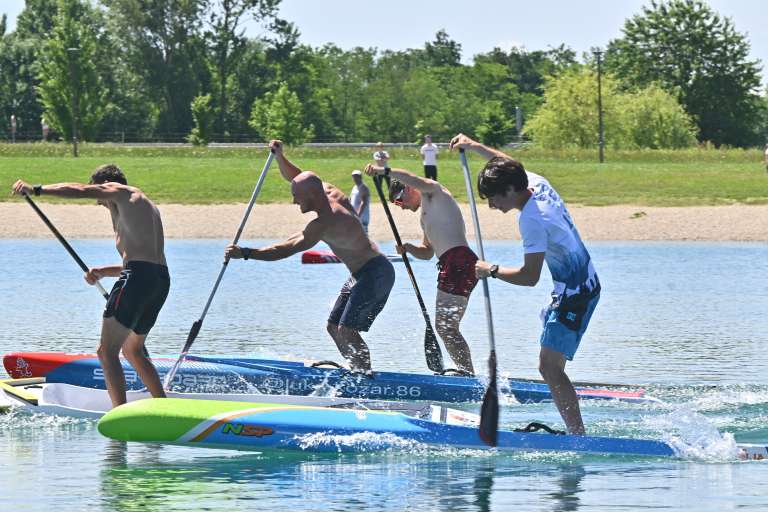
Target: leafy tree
(3,24)
(700,57)
(70,87)
(228,41)
(18,81)
(204,117)
(443,51)
(495,130)
(278,115)
(654,119)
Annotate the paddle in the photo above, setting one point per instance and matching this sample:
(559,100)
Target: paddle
(431,346)
(193,332)
(66,245)
(489,412)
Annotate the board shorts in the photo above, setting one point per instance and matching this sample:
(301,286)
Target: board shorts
(566,319)
(430,172)
(138,295)
(457,271)
(364,295)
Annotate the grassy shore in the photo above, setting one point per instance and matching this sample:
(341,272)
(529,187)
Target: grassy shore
(188,175)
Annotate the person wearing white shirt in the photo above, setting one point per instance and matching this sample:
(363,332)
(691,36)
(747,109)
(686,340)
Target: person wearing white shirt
(548,234)
(429,155)
(380,156)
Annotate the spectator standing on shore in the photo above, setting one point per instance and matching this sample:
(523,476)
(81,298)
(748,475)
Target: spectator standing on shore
(429,155)
(45,127)
(13,127)
(380,156)
(360,197)
(765,158)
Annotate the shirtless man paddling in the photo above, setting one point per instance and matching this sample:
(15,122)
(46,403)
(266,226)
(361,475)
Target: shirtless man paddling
(444,236)
(142,287)
(365,293)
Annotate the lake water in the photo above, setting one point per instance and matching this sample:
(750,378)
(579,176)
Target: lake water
(686,320)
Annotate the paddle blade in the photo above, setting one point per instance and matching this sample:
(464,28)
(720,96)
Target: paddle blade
(432,351)
(489,411)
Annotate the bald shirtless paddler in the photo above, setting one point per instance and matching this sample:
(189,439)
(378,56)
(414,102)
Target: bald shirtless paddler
(444,236)
(365,293)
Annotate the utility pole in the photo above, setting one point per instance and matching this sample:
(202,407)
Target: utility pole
(601,140)
(75,93)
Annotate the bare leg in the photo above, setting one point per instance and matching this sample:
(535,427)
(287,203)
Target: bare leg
(133,350)
(552,368)
(351,346)
(449,312)
(113,335)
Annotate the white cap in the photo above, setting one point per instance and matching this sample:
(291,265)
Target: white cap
(356,173)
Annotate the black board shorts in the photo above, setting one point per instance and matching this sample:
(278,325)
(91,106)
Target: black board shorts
(364,295)
(138,295)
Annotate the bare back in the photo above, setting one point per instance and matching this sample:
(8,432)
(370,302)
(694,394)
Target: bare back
(343,232)
(138,227)
(442,221)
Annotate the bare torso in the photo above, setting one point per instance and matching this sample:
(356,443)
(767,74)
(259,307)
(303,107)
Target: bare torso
(138,228)
(343,232)
(442,221)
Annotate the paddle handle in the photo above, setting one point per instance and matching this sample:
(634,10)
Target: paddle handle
(63,241)
(481,253)
(195,329)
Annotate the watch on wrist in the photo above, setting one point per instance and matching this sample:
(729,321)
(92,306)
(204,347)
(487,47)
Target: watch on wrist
(37,189)
(494,271)
(246,253)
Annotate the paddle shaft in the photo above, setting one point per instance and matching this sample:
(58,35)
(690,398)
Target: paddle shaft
(63,241)
(193,332)
(435,350)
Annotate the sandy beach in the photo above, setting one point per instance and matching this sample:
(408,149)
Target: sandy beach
(272,221)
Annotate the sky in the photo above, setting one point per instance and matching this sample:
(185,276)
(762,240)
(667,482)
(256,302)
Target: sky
(480,25)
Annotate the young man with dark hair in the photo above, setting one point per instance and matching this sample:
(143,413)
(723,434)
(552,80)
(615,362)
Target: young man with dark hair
(365,293)
(444,236)
(142,287)
(549,235)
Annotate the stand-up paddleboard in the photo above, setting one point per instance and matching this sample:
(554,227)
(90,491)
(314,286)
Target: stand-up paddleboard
(259,426)
(315,256)
(274,377)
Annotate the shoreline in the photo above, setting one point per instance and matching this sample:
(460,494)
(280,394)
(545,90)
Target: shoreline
(740,223)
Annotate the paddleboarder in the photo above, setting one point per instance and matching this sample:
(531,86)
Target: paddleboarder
(548,234)
(444,235)
(143,280)
(365,293)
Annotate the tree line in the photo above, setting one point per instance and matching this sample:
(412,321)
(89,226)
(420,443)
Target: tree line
(185,70)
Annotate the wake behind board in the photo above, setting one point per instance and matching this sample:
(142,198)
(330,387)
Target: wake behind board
(275,377)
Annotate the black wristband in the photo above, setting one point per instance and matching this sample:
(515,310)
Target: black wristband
(494,271)
(246,253)
(37,189)
(387,170)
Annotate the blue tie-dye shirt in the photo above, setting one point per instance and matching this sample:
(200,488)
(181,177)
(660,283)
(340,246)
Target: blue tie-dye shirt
(546,226)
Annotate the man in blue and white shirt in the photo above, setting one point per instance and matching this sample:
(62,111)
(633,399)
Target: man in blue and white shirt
(549,235)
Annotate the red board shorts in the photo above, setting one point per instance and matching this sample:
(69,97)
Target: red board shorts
(457,271)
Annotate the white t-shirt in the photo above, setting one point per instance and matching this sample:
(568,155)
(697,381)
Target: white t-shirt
(381,155)
(429,152)
(356,198)
(546,226)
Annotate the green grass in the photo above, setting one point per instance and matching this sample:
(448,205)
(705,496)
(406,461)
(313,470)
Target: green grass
(208,176)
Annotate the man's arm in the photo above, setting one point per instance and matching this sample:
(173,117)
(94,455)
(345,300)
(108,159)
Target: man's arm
(96,273)
(527,275)
(105,191)
(423,185)
(461,141)
(287,169)
(296,243)
(365,195)
(422,252)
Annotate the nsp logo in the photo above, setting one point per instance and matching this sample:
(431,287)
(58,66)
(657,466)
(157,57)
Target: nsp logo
(246,430)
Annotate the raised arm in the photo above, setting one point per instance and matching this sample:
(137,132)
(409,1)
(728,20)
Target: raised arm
(423,185)
(287,169)
(461,141)
(106,191)
(295,243)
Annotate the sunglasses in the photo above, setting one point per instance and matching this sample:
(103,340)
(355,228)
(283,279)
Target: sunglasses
(398,198)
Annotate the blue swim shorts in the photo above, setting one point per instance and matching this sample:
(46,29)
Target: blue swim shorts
(364,295)
(566,321)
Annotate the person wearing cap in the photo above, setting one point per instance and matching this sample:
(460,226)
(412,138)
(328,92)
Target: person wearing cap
(364,294)
(548,234)
(444,235)
(360,197)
